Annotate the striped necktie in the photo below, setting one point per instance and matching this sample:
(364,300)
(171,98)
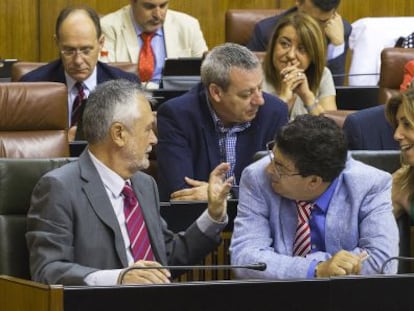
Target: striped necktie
(77,103)
(140,244)
(302,243)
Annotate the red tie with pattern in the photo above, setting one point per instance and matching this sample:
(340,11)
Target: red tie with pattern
(137,231)
(77,103)
(302,243)
(146,62)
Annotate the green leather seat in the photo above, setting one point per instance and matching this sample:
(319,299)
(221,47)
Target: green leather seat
(17,180)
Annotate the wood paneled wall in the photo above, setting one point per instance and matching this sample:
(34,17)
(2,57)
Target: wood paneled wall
(355,9)
(27,26)
(19,29)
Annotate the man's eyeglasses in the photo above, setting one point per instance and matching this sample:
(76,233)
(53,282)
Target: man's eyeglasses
(69,52)
(277,167)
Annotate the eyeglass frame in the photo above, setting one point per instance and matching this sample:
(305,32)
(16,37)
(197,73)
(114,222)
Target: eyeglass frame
(277,166)
(71,52)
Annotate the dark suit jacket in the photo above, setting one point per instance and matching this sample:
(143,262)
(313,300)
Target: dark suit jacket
(263,32)
(54,72)
(368,129)
(72,229)
(188,143)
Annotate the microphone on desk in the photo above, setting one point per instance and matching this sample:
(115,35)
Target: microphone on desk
(398,258)
(260,266)
(355,74)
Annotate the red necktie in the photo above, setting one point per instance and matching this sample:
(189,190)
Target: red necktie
(77,103)
(137,231)
(146,62)
(302,243)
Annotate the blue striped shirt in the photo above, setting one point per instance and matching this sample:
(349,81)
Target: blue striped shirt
(227,139)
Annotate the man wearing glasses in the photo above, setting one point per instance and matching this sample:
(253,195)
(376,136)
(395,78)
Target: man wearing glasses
(310,210)
(79,39)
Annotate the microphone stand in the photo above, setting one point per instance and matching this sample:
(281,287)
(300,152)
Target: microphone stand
(256,266)
(399,258)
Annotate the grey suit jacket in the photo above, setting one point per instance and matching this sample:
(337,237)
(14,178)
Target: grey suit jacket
(72,229)
(359,217)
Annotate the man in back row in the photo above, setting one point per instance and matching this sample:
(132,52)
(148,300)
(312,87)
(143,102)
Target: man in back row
(337,31)
(79,38)
(146,31)
(226,118)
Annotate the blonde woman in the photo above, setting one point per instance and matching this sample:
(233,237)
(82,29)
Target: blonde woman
(295,69)
(400,113)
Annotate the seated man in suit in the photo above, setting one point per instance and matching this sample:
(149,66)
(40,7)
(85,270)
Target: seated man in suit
(149,26)
(226,117)
(91,219)
(368,129)
(79,39)
(309,210)
(337,31)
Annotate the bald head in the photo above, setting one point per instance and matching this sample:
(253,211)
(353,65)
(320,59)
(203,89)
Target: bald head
(79,13)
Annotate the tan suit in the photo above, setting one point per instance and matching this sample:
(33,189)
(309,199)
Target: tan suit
(182,32)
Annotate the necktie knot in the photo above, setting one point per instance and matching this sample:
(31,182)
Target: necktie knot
(129,195)
(147,36)
(302,242)
(79,86)
(304,209)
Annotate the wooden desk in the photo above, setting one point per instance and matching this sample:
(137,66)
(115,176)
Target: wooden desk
(338,294)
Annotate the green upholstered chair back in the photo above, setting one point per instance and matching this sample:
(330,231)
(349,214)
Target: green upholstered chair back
(17,180)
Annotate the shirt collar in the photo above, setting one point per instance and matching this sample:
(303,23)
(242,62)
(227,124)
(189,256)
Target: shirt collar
(110,179)
(325,198)
(89,83)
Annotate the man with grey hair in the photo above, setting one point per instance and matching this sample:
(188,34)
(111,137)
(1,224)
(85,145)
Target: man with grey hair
(226,117)
(91,219)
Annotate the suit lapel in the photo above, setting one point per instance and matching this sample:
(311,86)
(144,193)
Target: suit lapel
(245,148)
(170,38)
(96,194)
(60,73)
(129,36)
(101,75)
(288,225)
(209,131)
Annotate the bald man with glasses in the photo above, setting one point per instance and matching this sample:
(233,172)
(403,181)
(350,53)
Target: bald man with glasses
(79,39)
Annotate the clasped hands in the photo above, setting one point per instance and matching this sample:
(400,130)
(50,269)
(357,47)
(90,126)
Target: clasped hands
(294,81)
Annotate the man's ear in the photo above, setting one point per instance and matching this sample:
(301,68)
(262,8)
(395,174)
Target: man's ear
(215,92)
(118,134)
(314,182)
(101,41)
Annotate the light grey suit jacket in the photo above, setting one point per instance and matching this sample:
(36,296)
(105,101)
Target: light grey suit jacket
(72,229)
(182,33)
(359,217)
